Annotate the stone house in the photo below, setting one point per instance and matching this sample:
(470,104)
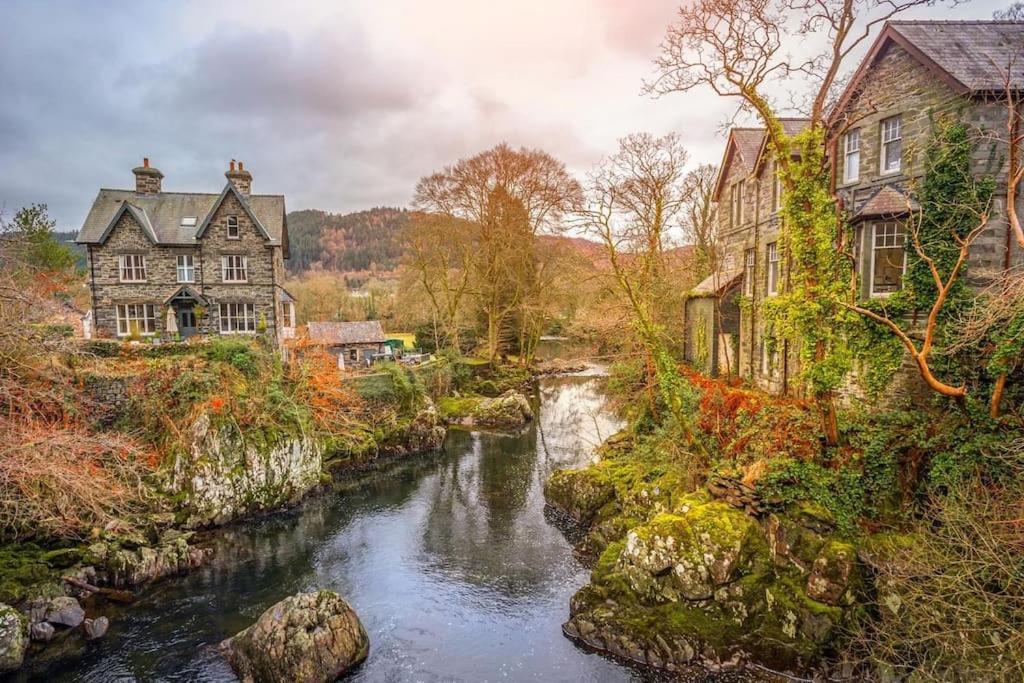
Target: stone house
(175,264)
(913,71)
(725,333)
(354,344)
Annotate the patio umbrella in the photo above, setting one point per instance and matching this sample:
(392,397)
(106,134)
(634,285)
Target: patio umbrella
(172,320)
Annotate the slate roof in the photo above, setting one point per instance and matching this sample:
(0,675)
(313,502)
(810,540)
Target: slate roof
(748,143)
(975,53)
(888,201)
(340,334)
(161,214)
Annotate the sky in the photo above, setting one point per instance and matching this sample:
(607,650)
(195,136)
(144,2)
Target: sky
(338,105)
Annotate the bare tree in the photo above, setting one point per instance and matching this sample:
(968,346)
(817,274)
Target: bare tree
(700,226)
(634,198)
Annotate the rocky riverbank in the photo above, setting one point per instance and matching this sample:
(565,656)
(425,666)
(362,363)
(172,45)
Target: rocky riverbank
(682,579)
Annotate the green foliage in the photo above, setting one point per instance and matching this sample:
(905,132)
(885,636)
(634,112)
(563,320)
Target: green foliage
(32,227)
(807,312)
(242,355)
(839,490)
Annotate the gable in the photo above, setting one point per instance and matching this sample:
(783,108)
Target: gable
(130,215)
(740,153)
(231,191)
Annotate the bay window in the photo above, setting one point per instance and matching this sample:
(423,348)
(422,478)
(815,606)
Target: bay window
(888,257)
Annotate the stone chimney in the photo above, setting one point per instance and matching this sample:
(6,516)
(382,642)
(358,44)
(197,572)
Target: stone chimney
(241,179)
(147,178)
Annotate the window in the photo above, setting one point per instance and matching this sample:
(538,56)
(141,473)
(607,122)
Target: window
(737,204)
(892,145)
(769,358)
(776,191)
(189,221)
(133,267)
(239,318)
(888,257)
(136,319)
(748,272)
(772,260)
(234,268)
(287,314)
(851,152)
(233,228)
(186,268)
(353,354)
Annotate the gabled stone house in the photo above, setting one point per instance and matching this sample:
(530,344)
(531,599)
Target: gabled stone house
(915,71)
(175,264)
(878,128)
(354,344)
(725,331)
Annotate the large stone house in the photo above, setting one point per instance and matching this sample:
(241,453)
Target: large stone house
(878,129)
(175,264)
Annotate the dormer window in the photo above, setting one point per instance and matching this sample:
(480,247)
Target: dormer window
(233,228)
(189,221)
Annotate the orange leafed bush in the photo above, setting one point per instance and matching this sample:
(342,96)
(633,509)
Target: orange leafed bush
(318,384)
(750,425)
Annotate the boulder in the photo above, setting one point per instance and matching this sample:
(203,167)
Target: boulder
(578,493)
(510,410)
(121,565)
(41,632)
(95,628)
(13,639)
(832,573)
(64,611)
(424,434)
(307,638)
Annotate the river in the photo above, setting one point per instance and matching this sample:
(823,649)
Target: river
(449,561)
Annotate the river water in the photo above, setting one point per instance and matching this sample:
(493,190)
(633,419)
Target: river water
(448,560)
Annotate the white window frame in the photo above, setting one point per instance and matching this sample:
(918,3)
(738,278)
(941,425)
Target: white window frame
(738,208)
(229,266)
(287,314)
(749,271)
(772,268)
(143,314)
(776,192)
(234,232)
(236,318)
(133,265)
(186,267)
(901,233)
(890,136)
(851,156)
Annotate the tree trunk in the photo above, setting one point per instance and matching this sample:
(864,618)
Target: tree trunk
(997,396)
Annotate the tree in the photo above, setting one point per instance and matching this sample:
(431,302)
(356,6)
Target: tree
(510,197)
(31,233)
(1014,12)
(634,198)
(735,48)
(699,220)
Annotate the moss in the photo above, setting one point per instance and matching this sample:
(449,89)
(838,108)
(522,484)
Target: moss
(23,567)
(579,493)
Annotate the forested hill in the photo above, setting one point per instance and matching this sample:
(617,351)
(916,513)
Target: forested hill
(365,240)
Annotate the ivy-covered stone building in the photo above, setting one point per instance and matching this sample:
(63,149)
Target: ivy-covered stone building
(914,72)
(175,264)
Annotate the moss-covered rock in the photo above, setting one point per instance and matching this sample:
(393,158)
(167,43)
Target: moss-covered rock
(698,584)
(578,493)
(310,637)
(510,410)
(13,639)
(124,565)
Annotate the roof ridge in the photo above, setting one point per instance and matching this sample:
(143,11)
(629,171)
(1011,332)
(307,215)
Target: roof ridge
(208,194)
(978,22)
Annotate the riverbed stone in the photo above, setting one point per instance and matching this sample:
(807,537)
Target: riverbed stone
(307,638)
(64,611)
(95,628)
(41,632)
(119,566)
(425,433)
(13,638)
(510,410)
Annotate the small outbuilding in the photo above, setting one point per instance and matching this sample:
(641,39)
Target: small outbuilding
(354,344)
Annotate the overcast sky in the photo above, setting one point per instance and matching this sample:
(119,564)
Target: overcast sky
(338,105)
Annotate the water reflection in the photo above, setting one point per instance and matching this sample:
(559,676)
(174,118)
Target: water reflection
(449,562)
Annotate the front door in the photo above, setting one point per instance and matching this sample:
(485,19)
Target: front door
(186,322)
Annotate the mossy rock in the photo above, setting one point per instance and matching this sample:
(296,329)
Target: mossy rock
(578,493)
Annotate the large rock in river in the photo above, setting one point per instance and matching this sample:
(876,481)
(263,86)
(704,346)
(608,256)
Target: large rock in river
(13,639)
(307,638)
(510,410)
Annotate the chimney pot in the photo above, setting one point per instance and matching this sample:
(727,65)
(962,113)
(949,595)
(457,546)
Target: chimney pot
(145,162)
(240,166)
(232,165)
(240,178)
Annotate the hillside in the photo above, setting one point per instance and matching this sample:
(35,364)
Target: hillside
(361,241)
